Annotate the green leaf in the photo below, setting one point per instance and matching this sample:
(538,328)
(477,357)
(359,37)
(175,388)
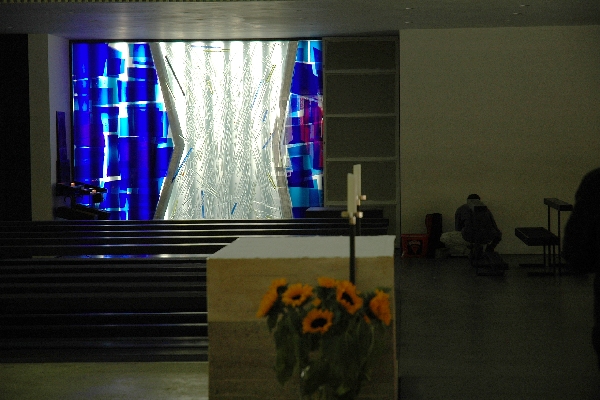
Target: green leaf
(314,376)
(285,361)
(272,321)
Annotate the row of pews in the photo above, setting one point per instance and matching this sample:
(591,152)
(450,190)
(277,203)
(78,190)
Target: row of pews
(120,290)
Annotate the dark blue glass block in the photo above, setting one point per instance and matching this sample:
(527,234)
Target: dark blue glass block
(79,60)
(81,120)
(297,163)
(317,155)
(81,161)
(139,207)
(140,91)
(317,53)
(303,52)
(301,179)
(315,197)
(306,83)
(115,67)
(163,155)
(112,164)
(294,104)
(81,87)
(113,120)
(299,212)
(114,53)
(146,119)
(111,197)
(123,146)
(294,179)
(98,55)
(145,74)
(307,179)
(96,165)
(100,96)
(143,182)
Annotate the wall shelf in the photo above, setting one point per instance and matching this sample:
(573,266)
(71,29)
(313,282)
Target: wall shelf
(361,122)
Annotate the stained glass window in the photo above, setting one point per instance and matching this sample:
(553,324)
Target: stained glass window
(189,130)
(120,126)
(303,128)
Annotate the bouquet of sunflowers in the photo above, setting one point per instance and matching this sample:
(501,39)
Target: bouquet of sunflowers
(329,334)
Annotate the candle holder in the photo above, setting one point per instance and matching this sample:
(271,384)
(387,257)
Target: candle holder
(354,214)
(352,223)
(360,197)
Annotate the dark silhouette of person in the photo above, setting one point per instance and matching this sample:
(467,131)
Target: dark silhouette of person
(581,241)
(477,224)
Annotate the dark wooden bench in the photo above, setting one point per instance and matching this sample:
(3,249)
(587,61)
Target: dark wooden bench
(137,238)
(550,242)
(103,309)
(118,290)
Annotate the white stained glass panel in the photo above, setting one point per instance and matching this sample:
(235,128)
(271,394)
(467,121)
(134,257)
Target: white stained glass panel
(226,103)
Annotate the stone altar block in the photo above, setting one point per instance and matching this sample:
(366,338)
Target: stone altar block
(241,349)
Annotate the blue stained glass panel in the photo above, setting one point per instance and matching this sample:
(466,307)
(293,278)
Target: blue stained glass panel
(119,126)
(304,129)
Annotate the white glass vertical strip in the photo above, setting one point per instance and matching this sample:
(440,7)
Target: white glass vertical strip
(228,99)
(165,80)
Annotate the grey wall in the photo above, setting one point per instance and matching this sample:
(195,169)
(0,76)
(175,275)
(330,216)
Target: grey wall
(49,91)
(510,113)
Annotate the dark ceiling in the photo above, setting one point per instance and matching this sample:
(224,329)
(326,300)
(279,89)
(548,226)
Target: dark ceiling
(270,19)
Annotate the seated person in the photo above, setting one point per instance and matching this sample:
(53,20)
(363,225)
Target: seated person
(476,223)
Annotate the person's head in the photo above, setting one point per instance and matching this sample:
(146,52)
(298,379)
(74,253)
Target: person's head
(473,197)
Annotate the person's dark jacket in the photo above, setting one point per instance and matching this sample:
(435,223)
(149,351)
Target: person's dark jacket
(476,222)
(581,241)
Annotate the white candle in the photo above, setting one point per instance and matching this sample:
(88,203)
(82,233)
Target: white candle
(356,170)
(351,196)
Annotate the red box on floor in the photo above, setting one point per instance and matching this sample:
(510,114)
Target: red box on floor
(414,245)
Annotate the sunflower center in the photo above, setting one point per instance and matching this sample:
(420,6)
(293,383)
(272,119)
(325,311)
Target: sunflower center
(318,323)
(346,297)
(296,297)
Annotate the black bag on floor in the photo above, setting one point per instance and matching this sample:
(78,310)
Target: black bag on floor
(433,222)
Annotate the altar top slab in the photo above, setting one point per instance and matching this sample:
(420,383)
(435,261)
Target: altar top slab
(306,247)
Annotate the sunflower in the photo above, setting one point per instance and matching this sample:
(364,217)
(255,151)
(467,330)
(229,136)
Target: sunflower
(380,306)
(327,282)
(348,297)
(267,302)
(277,283)
(317,321)
(296,294)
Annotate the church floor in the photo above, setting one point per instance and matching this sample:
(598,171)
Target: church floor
(104,381)
(462,336)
